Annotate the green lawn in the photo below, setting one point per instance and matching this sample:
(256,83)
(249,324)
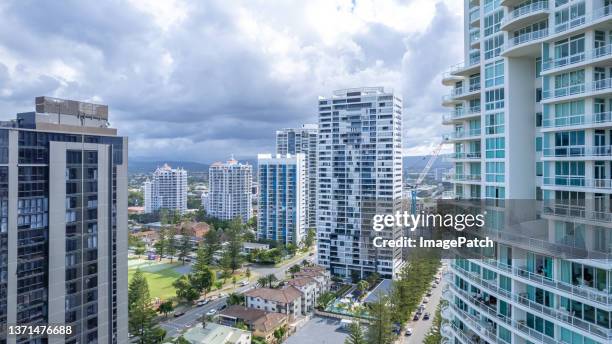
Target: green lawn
(160,278)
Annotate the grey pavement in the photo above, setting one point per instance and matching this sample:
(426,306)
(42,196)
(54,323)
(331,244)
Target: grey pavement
(319,330)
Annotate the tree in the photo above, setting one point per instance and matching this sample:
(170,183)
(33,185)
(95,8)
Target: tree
(234,281)
(380,330)
(161,243)
(291,248)
(218,285)
(185,289)
(356,335)
(294,269)
(203,280)
(232,258)
(181,340)
(140,320)
(252,222)
(310,238)
(235,299)
(184,247)
(139,250)
(279,333)
(362,286)
(271,278)
(212,244)
(171,243)
(325,299)
(262,281)
(165,308)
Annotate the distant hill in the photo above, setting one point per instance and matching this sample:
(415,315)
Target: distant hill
(419,162)
(410,163)
(135,167)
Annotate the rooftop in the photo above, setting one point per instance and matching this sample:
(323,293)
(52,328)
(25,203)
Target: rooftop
(301,281)
(286,294)
(258,319)
(215,334)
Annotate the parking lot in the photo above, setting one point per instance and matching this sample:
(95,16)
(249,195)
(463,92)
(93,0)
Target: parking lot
(319,330)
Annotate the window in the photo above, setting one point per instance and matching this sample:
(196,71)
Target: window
(569,83)
(569,50)
(539,169)
(495,192)
(494,99)
(492,22)
(495,172)
(495,148)
(538,119)
(494,74)
(538,144)
(493,46)
(570,17)
(490,5)
(569,173)
(494,123)
(569,113)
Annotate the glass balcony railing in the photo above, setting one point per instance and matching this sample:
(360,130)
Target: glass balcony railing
(466,155)
(527,37)
(464,134)
(525,11)
(569,60)
(576,120)
(577,151)
(465,90)
(576,212)
(467,177)
(596,15)
(474,13)
(474,111)
(578,182)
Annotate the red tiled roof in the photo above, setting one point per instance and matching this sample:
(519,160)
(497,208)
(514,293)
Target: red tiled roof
(286,294)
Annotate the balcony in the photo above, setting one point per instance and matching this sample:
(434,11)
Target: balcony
(474,38)
(592,120)
(465,156)
(576,212)
(466,178)
(525,44)
(601,54)
(578,152)
(472,134)
(525,15)
(466,68)
(523,302)
(448,79)
(594,88)
(475,16)
(460,114)
(466,92)
(566,182)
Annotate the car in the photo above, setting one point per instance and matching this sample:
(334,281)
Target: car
(409,331)
(433,286)
(425,300)
(222,295)
(426,316)
(202,303)
(429,293)
(416,317)
(178,314)
(211,312)
(421,307)
(222,307)
(244,283)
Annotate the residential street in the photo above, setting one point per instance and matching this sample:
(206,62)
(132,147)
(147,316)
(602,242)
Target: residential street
(421,327)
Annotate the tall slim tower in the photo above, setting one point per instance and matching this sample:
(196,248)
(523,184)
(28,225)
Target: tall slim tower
(531,121)
(282,198)
(230,190)
(63,225)
(303,140)
(359,172)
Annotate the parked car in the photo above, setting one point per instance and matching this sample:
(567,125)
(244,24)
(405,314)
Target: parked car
(409,331)
(211,312)
(426,316)
(429,293)
(202,303)
(425,300)
(222,307)
(433,285)
(416,317)
(244,283)
(421,308)
(178,314)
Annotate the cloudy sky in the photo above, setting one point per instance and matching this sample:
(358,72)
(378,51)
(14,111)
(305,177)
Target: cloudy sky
(200,80)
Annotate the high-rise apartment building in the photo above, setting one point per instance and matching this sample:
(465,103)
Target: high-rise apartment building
(531,121)
(303,140)
(359,174)
(229,193)
(282,198)
(63,224)
(166,189)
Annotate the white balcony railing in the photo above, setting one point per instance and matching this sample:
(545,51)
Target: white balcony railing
(524,11)
(575,120)
(577,151)
(464,90)
(569,60)
(575,211)
(527,37)
(465,155)
(566,181)
(464,134)
(474,111)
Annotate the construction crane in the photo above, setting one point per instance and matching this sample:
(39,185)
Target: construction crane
(432,159)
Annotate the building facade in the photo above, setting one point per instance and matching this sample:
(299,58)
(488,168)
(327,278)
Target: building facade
(282,198)
(63,225)
(303,140)
(359,174)
(167,189)
(229,193)
(531,121)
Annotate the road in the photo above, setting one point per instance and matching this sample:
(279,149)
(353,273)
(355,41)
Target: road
(174,326)
(421,327)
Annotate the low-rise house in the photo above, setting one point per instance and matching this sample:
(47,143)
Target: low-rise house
(217,334)
(249,247)
(261,323)
(318,273)
(286,300)
(310,292)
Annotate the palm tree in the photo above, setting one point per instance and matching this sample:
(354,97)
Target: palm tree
(262,281)
(271,278)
